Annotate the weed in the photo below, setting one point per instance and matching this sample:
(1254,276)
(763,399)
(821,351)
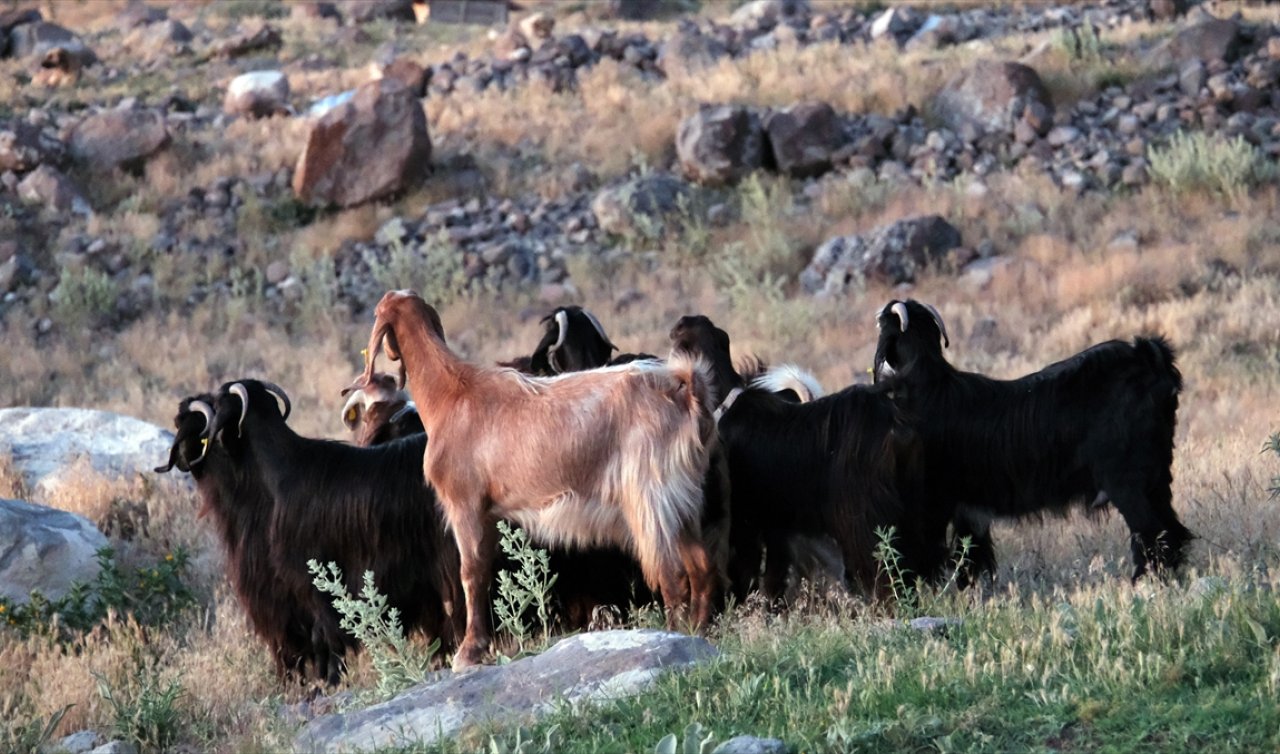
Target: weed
(83,298)
(433,268)
(144,708)
(153,596)
(29,737)
(910,594)
(1201,162)
(526,743)
(1272,445)
(527,588)
(397,662)
(695,742)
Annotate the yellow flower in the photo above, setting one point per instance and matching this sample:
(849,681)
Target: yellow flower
(169,557)
(1,608)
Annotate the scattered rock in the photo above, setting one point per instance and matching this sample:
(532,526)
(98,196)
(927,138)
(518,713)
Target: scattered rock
(408,72)
(36,40)
(891,254)
(367,148)
(720,144)
(896,22)
(17,17)
(264,37)
(537,26)
(1212,39)
(78,743)
(258,94)
(1167,10)
(803,137)
(45,549)
(364,11)
(277,271)
(315,11)
(45,444)
(24,146)
(583,669)
(119,138)
(640,205)
(48,187)
(767,13)
(690,49)
(116,747)
(752,745)
(137,14)
(990,96)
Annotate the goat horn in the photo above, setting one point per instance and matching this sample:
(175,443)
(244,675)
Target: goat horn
(946,342)
(207,411)
(599,329)
(562,324)
(408,408)
(242,393)
(278,392)
(900,309)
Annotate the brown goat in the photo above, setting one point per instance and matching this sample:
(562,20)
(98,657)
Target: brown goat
(612,456)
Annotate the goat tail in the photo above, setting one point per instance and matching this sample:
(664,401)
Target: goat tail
(697,391)
(1160,357)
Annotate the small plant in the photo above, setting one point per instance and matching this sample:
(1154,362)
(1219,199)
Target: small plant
(1083,43)
(1210,163)
(83,298)
(152,596)
(144,708)
(909,591)
(1272,445)
(433,268)
(528,587)
(397,662)
(697,740)
(526,743)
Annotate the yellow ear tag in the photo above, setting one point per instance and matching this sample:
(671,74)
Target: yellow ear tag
(204,442)
(351,414)
(870,370)
(364,353)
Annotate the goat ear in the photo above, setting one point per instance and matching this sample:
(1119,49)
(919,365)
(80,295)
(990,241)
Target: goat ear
(351,417)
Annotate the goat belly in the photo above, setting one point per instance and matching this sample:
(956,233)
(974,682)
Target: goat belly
(570,521)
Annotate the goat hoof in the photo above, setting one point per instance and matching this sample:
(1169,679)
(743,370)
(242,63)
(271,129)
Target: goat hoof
(469,655)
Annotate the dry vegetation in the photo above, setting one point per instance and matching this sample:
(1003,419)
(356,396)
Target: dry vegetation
(1073,270)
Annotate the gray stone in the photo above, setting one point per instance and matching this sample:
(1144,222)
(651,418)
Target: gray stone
(364,149)
(137,14)
(1167,10)
(23,146)
(38,39)
(891,254)
(640,205)
(584,669)
(1191,77)
(44,549)
(1063,135)
(894,22)
(803,138)
(48,187)
(116,747)
(752,745)
(77,743)
(720,144)
(690,49)
(990,96)
(1212,39)
(363,11)
(44,444)
(256,39)
(257,94)
(119,138)
(277,271)
(762,13)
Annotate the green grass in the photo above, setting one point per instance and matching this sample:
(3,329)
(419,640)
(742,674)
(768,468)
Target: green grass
(1159,668)
(1200,162)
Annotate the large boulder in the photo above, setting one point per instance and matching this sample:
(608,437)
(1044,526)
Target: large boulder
(47,445)
(584,669)
(641,205)
(1209,40)
(366,148)
(991,96)
(720,144)
(257,94)
(363,11)
(768,13)
(119,138)
(690,49)
(890,254)
(803,137)
(38,39)
(44,549)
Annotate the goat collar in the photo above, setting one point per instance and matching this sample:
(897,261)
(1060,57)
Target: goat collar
(727,403)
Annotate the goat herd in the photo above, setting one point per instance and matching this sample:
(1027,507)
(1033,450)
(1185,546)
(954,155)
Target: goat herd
(685,476)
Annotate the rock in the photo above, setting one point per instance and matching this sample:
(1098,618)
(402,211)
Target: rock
(720,144)
(15,17)
(257,94)
(1273,48)
(1212,39)
(364,11)
(632,10)
(160,39)
(48,187)
(367,148)
(44,445)
(897,22)
(767,13)
(116,747)
(584,669)
(1167,10)
(990,96)
(1192,77)
(408,72)
(13,271)
(537,26)
(78,743)
(325,104)
(36,40)
(690,49)
(315,11)
(511,45)
(752,745)
(891,254)
(933,625)
(24,146)
(137,14)
(803,137)
(1062,135)
(640,205)
(277,271)
(245,41)
(45,549)
(119,138)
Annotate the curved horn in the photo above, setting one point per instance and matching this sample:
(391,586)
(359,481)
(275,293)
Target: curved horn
(599,329)
(278,392)
(207,410)
(242,393)
(946,342)
(900,309)
(562,324)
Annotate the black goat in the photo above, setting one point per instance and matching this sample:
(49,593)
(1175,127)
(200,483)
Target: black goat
(841,466)
(1095,428)
(281,500)
(573,340)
